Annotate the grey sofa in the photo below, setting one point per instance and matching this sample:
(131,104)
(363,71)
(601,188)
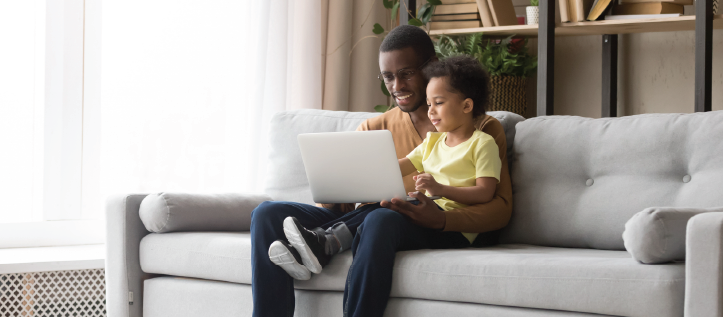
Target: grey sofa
(576,182)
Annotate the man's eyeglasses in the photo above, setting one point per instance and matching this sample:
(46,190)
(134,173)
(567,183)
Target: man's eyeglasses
(403,74)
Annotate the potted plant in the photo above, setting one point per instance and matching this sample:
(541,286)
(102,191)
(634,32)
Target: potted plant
(507,61)
(533,12)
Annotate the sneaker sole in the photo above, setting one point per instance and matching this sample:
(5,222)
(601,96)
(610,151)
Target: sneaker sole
(295,239)
(280,255)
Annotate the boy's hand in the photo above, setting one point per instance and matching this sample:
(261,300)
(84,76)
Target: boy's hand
(427,183)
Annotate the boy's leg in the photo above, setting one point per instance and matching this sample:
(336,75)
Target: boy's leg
(272,287)
(317,245)
(381,235)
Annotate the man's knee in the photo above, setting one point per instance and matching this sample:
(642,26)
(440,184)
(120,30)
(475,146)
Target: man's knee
(382,220)
(266,212)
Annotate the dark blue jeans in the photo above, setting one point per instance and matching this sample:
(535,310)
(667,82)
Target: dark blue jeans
(378,234)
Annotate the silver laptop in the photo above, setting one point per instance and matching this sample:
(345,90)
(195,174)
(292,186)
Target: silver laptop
(352,167)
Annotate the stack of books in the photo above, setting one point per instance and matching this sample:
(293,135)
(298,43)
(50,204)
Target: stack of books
(455,14)
(462,14)
(576,10)
(581,10)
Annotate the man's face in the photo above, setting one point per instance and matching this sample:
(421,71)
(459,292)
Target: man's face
(408,94)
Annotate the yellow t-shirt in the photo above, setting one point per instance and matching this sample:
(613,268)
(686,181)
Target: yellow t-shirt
(457,166)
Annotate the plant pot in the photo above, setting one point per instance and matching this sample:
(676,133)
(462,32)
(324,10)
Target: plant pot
(508,93)
(533,15)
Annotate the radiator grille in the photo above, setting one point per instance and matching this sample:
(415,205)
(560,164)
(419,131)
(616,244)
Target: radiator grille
(53,294)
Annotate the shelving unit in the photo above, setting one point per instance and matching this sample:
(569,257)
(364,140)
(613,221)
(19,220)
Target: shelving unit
(702,23)
(683,23)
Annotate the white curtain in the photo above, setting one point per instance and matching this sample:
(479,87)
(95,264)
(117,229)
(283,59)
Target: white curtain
(188,89)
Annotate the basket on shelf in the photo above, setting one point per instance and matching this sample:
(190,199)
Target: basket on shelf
(508,93)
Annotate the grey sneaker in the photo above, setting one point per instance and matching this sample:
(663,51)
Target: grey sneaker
(285,256)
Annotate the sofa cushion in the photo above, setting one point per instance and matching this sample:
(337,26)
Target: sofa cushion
(657,234)
(584,280)
(169,212)
(576,181)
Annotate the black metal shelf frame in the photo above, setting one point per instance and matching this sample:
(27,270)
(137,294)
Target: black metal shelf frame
(546,61)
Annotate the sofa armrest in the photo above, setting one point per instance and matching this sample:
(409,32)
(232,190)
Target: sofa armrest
(123,274)
(173,212)
(704,266)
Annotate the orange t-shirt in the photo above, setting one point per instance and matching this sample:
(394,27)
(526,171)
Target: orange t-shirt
(489,216)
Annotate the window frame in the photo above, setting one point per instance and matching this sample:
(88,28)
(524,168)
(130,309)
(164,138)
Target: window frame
(67,207)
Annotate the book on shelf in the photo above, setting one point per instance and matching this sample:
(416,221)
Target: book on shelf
(579,9)
(503,12)
(641,16)
(485,14)
(564,17)
(455,17)
(681,2)
(648,8)
(598,8)
(447,25)
(460,8)
(572,10)
(456,1)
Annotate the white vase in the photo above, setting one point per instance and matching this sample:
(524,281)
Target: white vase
(533,15)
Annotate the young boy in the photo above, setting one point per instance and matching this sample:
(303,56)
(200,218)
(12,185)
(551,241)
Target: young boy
(458,162)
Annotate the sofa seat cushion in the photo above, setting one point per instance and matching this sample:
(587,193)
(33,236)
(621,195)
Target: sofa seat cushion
(584,280)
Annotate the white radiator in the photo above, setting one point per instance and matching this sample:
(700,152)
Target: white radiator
(53,294)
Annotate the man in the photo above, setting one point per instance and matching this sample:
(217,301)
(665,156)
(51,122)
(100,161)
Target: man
(380,231)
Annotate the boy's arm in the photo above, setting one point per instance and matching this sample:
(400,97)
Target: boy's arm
(482,192)
(405,164)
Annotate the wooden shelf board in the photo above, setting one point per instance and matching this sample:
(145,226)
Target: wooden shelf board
(522,30)
(683,23)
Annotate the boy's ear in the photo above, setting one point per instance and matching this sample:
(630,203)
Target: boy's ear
(468,105)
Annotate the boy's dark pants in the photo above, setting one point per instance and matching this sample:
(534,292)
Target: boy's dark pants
(378,234)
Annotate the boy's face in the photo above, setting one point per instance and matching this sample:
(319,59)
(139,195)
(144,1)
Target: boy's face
(403,78)
(447,109)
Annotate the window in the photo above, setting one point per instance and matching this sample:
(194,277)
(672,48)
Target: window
(48,165)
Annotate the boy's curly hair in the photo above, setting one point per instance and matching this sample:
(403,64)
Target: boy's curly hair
(466,77)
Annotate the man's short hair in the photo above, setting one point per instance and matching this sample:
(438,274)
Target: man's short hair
(405,36)
(466,77)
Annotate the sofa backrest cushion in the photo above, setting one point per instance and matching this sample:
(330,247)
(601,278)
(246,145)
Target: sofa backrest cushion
(576,181)
(286,177)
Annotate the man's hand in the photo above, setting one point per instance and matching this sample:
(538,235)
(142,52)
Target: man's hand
(427,183)
(426,214)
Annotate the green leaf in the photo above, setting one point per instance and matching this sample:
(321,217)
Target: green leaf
(434,2)
(387,4)
(378,29)
(415,22)
(381,108)
(385,91)
(422,10)
(395,9)
(534,3)
(427,16)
